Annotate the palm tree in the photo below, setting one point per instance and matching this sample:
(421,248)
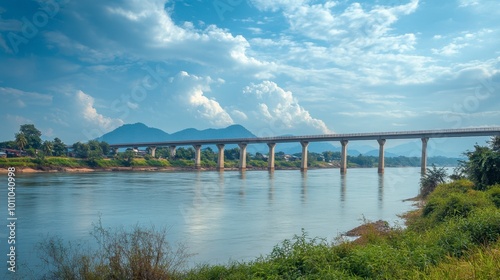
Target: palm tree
(21,140)
(47,148)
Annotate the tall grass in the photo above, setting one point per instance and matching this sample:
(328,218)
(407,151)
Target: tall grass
(142,253)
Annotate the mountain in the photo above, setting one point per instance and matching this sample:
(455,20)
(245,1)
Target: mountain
(137,132)
(233,131)
(314,147)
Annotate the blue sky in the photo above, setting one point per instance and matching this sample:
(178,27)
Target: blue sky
(79,69)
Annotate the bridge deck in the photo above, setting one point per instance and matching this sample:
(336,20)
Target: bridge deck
(442,133)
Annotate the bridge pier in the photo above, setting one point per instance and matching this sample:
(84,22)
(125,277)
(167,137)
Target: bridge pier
(220,159)
(197,156)
(270,159)
(152,151)
(381,156)
(343,157)
(243,156)
(303,164)
(423,167)
(172,151)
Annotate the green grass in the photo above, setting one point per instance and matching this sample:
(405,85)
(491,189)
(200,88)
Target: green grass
(16,162)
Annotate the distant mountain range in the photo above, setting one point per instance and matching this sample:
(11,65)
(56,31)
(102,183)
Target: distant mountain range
(139,132)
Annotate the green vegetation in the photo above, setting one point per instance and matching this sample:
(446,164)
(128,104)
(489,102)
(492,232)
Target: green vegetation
(138,254)
(454,235)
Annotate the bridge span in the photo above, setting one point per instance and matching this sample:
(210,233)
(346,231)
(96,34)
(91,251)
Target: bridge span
(304,140)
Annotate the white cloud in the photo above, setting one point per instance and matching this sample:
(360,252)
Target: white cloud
(460,42)
(467,3)
(239,115)
(191,91)
(85,103)
(449,49)
(22,99)
(278,106)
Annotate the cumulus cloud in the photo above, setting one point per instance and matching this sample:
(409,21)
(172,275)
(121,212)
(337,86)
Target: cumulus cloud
(191,92)
(136,30)
(85,103)
(279,107)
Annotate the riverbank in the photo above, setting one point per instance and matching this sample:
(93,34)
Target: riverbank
(4,170)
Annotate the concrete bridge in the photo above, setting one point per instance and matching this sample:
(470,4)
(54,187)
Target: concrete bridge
(380,137)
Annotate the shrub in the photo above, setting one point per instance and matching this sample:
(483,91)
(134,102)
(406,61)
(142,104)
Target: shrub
(431,179)
(136,254)
(459,186)
(454,205)
(494,194)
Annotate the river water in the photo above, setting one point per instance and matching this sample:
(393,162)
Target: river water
(219,216)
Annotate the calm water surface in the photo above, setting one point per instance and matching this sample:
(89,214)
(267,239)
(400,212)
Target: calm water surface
(220,216)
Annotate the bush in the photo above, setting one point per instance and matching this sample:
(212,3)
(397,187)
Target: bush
(460,186)
(136,254)
(494,194)
(431,179)
(440,209)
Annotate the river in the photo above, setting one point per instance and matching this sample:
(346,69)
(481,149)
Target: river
(219,216)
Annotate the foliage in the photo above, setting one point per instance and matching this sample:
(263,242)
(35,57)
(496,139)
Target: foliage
(59,148)
(483,165)
(431,179)
(494,194)
(137,254)
(17,162)
(127,157)
(495,144)
(81,150)
(183,153)
(47,148)
(21,140)
(232,154)
(32,135)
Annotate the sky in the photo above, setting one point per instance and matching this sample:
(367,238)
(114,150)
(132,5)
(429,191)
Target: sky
(79,69)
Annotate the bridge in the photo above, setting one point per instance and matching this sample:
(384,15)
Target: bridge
(380,137)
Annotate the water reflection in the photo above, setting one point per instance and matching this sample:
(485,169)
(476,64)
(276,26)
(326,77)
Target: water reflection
(343,183)
(271,187)
(243,185)
(380,190)
(303,192)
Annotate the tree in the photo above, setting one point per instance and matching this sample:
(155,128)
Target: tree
(184,153)
(59,147)
(47,148)
(127,157)
(232,154)
(495,144)
(32,136)
(21,141)
(483,166)
(105,148)
(208,154)
(431,179)
(81,150)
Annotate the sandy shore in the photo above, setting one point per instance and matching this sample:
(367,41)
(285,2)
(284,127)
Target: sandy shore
(111,169)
